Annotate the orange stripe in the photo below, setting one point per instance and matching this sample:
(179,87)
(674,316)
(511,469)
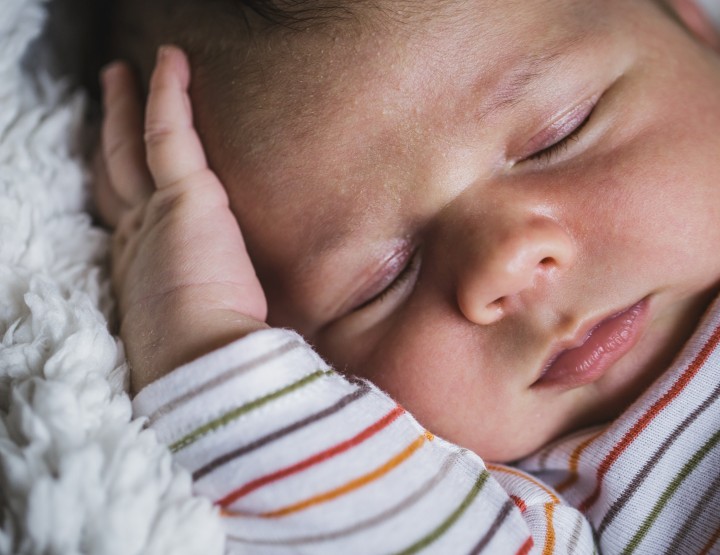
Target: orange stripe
(506,470)
(574,462)
(349,486)
(526,547)
(550,534)
(519,503)
(711,543)
(643,423)
(315,459)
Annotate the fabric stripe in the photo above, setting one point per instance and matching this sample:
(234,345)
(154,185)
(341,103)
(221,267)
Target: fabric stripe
(695,516)
(490,534)
(519,503)
(242,410)
(713,541)
(526,547)
(550,533)
(560,443)
(352,485)
(575,536)
(512,471)
(322,456)
(645,420)
(222,379)
(362,390)
(543,459)
(438,532)
(549,507)
(686,470)
(395,510)
(644,472)
(574,462)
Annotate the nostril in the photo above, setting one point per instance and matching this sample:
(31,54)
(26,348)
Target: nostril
(547,261)
(498,304)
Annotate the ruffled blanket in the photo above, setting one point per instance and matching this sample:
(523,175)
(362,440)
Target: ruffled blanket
(77,474)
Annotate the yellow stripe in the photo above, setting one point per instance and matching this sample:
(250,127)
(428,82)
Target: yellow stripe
(550,534)
(353,484)
(549,507)
(574,462)
(506,470)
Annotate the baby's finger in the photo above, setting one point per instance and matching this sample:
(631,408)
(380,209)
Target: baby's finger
(122,135)
(108,206)
(174,151)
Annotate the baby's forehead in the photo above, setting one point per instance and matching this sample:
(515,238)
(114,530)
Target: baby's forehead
(293,83)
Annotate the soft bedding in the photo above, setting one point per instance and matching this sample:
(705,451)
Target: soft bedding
(77,474)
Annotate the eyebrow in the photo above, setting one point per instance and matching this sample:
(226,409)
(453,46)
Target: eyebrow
(514,85)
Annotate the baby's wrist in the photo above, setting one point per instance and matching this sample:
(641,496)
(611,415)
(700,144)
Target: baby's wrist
(177,335)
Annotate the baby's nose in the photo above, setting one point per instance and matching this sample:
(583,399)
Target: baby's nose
(501,264)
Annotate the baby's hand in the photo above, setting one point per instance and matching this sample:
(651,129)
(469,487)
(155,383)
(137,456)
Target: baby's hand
(183,279)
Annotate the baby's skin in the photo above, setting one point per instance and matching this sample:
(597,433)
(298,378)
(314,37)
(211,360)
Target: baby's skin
(470,261)
(183,279)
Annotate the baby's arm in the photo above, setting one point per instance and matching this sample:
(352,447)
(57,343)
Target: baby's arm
(299,458)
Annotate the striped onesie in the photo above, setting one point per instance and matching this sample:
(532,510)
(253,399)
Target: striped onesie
(300,459)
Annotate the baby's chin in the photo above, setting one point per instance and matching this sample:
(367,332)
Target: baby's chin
(509,444)
(508,453)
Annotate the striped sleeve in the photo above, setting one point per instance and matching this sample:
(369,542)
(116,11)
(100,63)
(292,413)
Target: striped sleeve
(300,459)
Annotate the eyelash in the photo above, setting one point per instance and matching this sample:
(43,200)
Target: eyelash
(547,154)
(401,279)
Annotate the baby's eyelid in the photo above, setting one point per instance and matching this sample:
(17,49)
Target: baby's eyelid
(564,127)
(406,274)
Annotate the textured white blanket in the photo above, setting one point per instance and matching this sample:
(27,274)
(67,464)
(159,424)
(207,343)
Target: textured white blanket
(76,474)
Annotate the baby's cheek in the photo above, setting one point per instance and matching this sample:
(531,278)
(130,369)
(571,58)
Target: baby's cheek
(456,394)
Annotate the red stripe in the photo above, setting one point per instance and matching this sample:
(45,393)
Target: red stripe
(315,459)
(526,547)
(519,502)
(648,417)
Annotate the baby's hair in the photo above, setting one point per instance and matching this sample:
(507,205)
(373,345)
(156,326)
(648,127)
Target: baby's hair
(205,27)
(293,12)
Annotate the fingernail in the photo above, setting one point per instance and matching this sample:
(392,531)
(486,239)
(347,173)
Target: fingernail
(163,52)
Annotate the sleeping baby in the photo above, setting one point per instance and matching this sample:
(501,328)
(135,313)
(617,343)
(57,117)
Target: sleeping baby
(497,225)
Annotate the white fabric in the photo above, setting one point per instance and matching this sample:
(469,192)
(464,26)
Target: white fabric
(713,8)
(76,474)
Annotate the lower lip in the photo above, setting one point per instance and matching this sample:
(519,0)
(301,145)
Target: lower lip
(604,345)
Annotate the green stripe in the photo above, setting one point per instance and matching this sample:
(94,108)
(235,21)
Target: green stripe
(670,491)
(244,409)
(457,513)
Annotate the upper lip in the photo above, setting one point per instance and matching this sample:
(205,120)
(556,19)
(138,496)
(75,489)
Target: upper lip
(576,339)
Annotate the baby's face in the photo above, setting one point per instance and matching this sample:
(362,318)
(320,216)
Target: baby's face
(446,203)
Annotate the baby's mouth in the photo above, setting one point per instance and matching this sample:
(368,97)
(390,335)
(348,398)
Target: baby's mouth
(594,351)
